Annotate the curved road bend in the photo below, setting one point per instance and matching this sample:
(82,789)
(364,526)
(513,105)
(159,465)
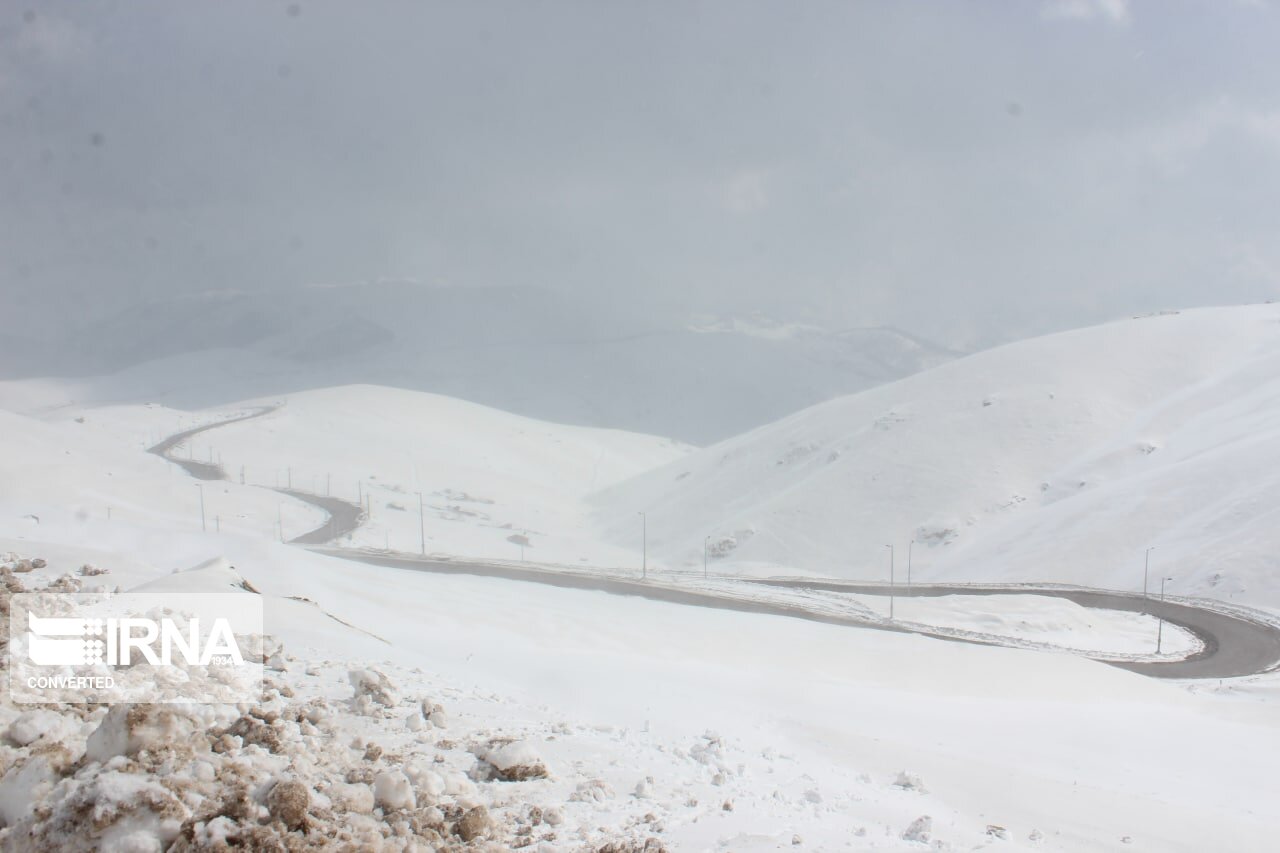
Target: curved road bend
(1233,645)
(344,517)
(202,470)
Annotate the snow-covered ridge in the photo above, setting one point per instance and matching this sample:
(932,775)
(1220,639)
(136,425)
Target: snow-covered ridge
(1055,459)
(753,326)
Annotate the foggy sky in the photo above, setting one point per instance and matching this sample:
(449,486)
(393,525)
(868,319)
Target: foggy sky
(972,172)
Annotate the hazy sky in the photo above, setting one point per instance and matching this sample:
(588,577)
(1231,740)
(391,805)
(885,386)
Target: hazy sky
(970,171)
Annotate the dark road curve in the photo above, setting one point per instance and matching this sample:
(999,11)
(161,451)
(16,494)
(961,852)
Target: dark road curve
(197,469)
(1233,644)
(343,517)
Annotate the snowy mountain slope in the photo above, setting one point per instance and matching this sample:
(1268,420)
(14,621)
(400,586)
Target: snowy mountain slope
(803,729)
(719,707)
(518,349)
(494,484)
(93,466)
(1056,459)
(490,481)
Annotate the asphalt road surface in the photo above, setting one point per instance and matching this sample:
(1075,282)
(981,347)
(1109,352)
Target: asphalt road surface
(197,469)
(1233,645)
(344,517)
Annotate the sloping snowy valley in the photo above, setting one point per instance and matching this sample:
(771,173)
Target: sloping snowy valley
(413,709)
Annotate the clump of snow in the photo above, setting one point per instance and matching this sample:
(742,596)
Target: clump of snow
(38,724)
(592,791)
(392,791)
(372,688)
(127,729)
(909,782)
(516,761)
(919,830)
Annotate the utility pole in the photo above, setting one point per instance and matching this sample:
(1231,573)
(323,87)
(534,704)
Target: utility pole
(705,541)
(891,589)
(1160,616)
(289,471)
(1146,566)
(328,481)
(644,547)
(203,527)
(280,518)
(910,545)
(422,525)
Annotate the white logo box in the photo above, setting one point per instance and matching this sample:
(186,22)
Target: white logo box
(105,648)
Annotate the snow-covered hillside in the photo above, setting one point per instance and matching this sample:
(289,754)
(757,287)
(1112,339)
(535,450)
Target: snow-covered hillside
(493,484)
(521,350)
(1059,459)
(676,727)
(679,728)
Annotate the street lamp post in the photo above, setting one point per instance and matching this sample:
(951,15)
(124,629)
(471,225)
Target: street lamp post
(422,525)
(644,546)
(203,526)
(1160,617)
(705,542)
(910,546)
(1146,566)
(891,589)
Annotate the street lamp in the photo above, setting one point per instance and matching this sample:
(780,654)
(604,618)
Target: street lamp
(890,547)
(203,527)
(644,553)
(1146,565)
(1160,616)
(422,525)
(910,545)
(705,541)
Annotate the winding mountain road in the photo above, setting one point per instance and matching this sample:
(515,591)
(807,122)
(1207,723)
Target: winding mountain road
(1233,643)
(197,469)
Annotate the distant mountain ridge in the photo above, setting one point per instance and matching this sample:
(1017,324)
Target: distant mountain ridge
(523,350)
